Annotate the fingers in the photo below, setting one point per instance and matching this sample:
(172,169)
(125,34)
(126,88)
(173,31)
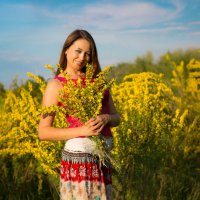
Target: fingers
(90,120)
(93,129)
(97,120)
(98,131)
(103,119)
(95,125)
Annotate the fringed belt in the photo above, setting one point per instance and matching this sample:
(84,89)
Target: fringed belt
(79,157)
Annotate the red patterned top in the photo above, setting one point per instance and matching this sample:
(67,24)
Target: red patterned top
(75,122)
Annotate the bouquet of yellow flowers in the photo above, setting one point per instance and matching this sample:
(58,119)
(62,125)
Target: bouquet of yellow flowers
(82,99)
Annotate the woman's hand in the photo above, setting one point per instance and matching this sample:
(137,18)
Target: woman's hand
(95,125)
(101,120)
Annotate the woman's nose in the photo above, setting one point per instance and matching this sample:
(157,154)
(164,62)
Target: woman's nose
(82,56)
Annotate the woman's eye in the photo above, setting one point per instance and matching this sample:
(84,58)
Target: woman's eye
(78,51)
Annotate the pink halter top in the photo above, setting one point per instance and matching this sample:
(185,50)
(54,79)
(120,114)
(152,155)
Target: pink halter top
(75,122)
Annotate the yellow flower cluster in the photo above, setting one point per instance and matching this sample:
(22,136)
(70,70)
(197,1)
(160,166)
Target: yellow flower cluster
(38,80)
(186,80)
(83,98)
(144,102)
(19,119)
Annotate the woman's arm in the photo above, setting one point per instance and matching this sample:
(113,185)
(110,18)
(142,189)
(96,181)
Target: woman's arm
(113,116)
(45,129)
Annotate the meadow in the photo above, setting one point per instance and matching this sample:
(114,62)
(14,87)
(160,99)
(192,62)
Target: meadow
(156,145)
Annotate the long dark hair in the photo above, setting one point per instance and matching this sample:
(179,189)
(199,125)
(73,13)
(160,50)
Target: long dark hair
(75,35)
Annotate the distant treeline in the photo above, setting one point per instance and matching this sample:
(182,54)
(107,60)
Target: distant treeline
(147,63)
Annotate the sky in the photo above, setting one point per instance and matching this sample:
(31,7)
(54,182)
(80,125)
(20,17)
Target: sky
(32,33)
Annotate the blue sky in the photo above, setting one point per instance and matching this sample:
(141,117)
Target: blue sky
(32,32)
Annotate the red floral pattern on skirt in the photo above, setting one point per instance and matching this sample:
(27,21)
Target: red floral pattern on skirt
(81,177)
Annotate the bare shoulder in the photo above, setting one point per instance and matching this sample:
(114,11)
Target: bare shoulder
(51,92)
(55,83)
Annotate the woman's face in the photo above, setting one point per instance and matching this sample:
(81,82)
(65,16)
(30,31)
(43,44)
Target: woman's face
(78,55)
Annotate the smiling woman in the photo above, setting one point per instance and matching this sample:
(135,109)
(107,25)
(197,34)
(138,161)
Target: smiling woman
(77,55)
(79,48)
(82,176)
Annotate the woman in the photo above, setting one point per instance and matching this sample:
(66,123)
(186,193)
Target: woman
(81,175)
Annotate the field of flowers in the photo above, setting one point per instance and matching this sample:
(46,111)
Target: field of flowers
(156,144)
